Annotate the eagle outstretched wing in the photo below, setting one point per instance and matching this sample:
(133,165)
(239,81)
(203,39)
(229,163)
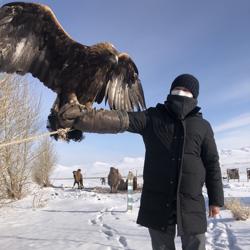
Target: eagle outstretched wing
(30,38)
(123,90)
(33,41)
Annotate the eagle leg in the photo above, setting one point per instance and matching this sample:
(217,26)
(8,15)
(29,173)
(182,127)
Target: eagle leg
(53,123)
(72,99)
(88,106)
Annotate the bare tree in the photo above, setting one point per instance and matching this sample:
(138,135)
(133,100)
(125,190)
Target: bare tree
(19,118)
(44,163)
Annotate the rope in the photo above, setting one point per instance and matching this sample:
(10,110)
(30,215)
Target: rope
(35,137)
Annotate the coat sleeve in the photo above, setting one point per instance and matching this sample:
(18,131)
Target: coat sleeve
(210,160)
(138,122)
(102,121)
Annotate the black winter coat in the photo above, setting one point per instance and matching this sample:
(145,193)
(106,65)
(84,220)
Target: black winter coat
(181,156)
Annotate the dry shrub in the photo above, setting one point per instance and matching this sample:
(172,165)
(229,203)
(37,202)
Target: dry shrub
(19,118)
(40,199)
(45,163)
(239,210)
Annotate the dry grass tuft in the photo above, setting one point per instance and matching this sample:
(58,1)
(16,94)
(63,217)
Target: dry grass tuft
(239,210)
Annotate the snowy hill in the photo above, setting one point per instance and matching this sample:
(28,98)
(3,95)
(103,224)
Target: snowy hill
(235,158)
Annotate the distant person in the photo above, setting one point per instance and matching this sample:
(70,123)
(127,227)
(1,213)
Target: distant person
(181,155)
(78,178)
(103,180)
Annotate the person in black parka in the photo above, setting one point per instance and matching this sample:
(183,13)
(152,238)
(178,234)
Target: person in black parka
(181,155)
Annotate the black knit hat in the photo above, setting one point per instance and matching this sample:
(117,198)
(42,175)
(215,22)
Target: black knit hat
(187,81)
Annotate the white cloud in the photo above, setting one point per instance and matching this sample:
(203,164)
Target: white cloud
(233,139)
(234,123)
(233,133)
(65,171)
(227,94)
(236,92)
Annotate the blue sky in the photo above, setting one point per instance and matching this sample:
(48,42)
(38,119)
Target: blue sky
(209,39)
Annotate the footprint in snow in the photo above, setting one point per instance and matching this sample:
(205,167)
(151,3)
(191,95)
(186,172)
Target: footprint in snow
(123,241)
(106,226)
(92,222)
(218,236)
(108,233)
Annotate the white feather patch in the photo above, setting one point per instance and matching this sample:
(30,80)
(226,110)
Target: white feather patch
(19,49)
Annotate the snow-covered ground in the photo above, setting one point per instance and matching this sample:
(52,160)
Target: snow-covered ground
(85,219)
(66,218)
(72,219)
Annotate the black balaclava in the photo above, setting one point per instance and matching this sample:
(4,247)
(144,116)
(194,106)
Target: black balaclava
(181,106)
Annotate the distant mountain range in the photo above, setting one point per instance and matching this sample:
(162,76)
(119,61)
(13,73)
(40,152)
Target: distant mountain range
(230,158)
(241,152)
(239,158)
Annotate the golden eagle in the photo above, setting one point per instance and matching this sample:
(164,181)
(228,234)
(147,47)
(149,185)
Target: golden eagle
(33,41)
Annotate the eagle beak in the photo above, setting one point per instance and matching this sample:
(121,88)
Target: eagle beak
(114,59)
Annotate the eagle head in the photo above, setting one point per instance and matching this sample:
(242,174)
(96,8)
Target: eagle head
(106,53)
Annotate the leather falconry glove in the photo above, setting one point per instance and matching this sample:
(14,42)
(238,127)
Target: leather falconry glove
(95,121)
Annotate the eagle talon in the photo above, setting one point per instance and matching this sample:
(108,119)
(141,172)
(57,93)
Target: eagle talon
(82,107)
(63,134)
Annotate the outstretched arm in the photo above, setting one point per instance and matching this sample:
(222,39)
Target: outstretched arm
(102,121)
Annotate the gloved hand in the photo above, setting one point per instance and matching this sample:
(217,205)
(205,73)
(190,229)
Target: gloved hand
(93,121)
(68,114)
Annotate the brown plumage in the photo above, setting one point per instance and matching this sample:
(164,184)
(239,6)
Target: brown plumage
(33,41)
